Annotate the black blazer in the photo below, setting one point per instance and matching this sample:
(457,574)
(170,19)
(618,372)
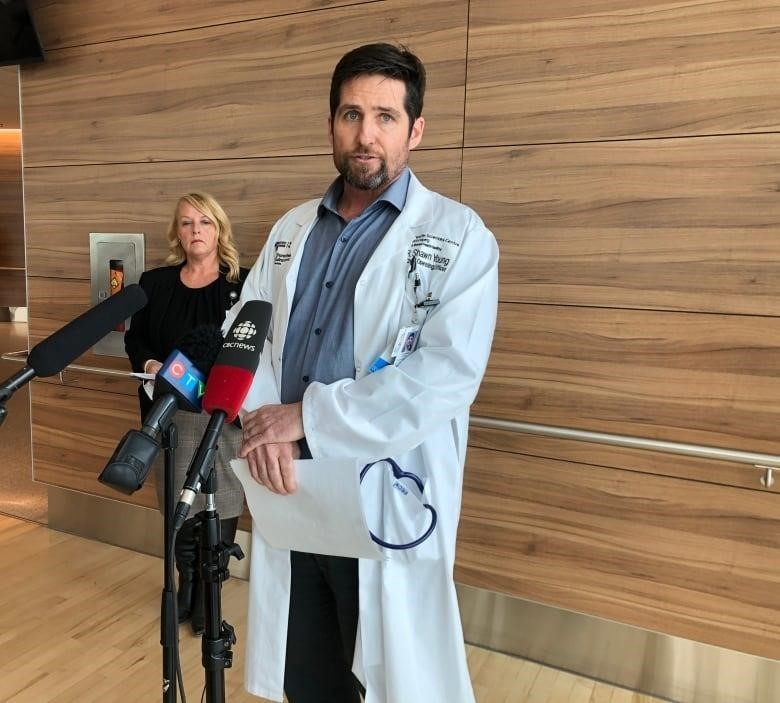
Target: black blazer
(143,340)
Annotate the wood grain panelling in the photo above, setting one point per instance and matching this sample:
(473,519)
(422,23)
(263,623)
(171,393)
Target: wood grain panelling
(703,379)
(9,97)
(52,304)
(79,417)
(697,560)
(65,204)
(624,152)
(12,256)
(685,224)
(62,24)
(11,202)
(574,71)
(256,88)
(720,472)
(12,288)
(75,432)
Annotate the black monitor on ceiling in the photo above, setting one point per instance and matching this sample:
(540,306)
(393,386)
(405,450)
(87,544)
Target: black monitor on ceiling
(19,42)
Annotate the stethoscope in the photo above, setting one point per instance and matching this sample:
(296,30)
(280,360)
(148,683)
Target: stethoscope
(399,473)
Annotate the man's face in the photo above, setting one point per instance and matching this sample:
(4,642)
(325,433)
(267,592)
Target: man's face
(370,132)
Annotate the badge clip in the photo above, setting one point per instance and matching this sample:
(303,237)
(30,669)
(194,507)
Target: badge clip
(429,302)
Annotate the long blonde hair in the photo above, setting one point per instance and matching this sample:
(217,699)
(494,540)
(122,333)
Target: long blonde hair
(226,249)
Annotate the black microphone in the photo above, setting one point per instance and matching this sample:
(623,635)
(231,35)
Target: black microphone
(57,351)
(187,367)
(178,386)
(227,386)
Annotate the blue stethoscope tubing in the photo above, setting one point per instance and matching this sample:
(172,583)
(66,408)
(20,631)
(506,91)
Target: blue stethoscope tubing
(399,473)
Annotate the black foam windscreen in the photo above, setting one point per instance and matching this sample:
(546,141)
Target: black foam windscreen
(185,371)
(201,346)
(58,350)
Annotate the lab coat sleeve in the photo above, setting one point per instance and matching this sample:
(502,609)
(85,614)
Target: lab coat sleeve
(392,410)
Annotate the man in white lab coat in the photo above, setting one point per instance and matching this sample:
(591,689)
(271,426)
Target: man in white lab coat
(384,301)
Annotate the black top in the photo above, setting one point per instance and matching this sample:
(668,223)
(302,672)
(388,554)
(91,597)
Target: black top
(174,309)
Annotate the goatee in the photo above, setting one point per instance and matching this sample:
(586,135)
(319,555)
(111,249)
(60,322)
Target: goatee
(360,177)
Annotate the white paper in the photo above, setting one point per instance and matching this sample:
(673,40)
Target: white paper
(143,376)
(324,516)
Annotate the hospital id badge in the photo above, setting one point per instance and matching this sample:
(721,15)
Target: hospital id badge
(405,343)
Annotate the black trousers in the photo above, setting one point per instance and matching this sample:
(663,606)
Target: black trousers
(321,630)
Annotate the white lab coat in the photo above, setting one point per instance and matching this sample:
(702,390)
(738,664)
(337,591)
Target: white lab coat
(410,643)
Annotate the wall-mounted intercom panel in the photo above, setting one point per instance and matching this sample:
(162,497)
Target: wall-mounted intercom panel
(116,260)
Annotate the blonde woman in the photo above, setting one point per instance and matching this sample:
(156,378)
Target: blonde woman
(201,281)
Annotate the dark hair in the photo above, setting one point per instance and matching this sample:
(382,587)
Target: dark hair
(383,60)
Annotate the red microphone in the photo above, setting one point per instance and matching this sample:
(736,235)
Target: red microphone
(235,366)
(226,388)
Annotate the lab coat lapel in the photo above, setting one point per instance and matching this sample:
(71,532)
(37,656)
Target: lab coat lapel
(396,242)
(378,318)
(287,291)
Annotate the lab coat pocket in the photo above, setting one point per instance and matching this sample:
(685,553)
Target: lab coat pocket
(398,511)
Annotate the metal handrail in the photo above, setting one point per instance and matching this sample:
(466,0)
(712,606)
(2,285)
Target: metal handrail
(21,357)
(658,445)
(768,462)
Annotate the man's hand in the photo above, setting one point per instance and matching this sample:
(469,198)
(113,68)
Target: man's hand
(270,424)
(270,445)
(271,465)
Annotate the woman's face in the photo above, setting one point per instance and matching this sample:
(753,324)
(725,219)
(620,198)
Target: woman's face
(197,233)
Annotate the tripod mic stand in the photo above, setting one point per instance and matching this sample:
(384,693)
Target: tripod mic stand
(169,625)
(219,636)
(5,394)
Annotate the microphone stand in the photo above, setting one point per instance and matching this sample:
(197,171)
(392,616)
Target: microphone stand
(169,626)
(9,386)
(219,636)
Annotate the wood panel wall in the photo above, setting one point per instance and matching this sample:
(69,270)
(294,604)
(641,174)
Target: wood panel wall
(12,262)
(624,152)
(9,97)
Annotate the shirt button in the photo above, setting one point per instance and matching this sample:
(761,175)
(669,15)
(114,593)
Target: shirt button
(318,331)
(329,284)
(305,379)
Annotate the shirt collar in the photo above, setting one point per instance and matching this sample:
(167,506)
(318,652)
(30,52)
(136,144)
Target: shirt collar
(395,194)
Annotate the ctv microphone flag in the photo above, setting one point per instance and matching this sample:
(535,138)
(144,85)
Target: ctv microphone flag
(185,370)
(179,375)
(227,386)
